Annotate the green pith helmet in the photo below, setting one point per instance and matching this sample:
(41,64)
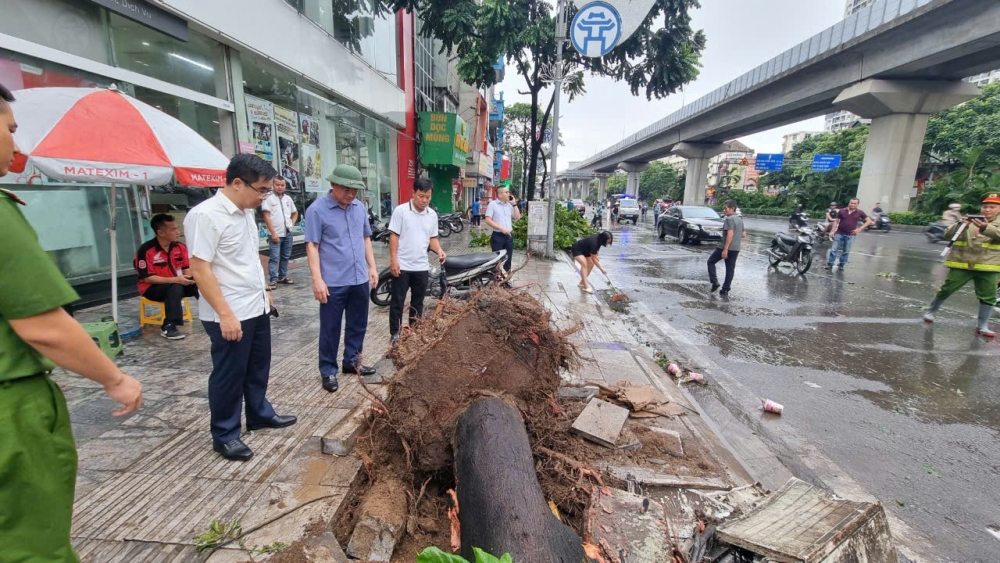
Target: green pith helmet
(347,176)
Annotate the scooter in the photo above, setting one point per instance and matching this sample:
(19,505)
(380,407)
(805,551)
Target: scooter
(461,276)
(380,233)
(444,227)
(455,221)
(881,223)
(795,249)
(798,221)
(935,232)
(818,232)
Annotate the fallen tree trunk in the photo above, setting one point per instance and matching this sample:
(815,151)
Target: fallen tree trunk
(501,505)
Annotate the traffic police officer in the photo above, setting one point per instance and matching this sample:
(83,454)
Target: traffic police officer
(37,453)
(975,257)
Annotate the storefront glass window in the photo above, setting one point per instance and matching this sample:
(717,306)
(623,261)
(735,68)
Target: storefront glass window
(197,64)
(72,219)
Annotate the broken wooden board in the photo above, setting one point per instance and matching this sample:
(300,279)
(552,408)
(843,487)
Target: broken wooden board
(803,524)
(628,527)
(600,422)
(650,477)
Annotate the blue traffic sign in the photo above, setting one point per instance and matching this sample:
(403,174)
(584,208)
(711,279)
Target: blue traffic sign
(770,162)
(596,29)
(825,162)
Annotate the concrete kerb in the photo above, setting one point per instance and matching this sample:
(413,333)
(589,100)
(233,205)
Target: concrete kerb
(771,452)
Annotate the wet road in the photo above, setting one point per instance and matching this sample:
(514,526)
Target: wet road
(911,412)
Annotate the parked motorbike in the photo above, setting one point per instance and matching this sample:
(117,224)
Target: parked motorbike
(455,221)
(461,276)
(881,223)
(795,249)
(380,232)
(444,227)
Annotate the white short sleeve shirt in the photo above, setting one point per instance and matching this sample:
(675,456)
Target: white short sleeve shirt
(415,230)
(501,213)
(281,209)
(220,233)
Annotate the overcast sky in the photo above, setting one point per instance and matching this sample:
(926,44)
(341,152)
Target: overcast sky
(741,34)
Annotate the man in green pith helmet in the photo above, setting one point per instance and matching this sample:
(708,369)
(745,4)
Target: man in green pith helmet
(37,453)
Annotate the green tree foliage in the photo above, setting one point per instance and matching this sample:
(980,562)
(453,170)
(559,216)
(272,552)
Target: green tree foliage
(659,58)
(518,135)
(952,133)
(617,183)
(659,181)
(976,176)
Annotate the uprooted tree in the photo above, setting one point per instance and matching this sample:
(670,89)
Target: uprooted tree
(659,58)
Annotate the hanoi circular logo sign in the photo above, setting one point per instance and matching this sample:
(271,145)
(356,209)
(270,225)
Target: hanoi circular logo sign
(596,29)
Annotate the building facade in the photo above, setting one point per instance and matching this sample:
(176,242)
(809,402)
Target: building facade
(311,88)
(789,141)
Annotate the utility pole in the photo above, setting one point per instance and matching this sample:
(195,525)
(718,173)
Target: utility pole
(557,83)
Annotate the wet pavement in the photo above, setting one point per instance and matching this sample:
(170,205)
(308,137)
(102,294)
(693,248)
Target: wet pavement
(909,412)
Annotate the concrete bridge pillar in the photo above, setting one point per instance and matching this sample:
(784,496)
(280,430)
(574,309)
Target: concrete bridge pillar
(696,181)
(602,188)
(899,110)
(634,170)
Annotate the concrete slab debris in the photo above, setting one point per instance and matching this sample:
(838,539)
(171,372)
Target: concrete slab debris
(600,422)
(340,440)
(381,524)
(803,524)
(626,526)
(651,478)
(585,392)
(672,442)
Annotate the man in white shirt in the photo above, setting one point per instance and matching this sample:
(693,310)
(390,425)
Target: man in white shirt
(500,216)
(235,303)
(280,215)
(413,229)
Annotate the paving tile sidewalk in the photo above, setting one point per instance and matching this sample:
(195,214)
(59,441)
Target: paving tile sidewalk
(150,482)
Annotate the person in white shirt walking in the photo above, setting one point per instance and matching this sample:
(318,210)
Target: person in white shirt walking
(235,303)
(500,216)
(413,229)
(280,215)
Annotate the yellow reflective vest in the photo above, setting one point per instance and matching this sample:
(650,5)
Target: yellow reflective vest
(975,250)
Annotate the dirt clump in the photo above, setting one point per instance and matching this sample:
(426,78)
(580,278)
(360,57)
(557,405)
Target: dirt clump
(501,343)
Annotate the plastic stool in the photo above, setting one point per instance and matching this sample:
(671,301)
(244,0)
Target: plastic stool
(157,318)
(105,335)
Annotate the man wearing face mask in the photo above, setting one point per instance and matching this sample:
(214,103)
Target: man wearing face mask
(37,453)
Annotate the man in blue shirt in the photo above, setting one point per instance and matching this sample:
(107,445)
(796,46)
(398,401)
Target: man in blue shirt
(475,211)
(342,263)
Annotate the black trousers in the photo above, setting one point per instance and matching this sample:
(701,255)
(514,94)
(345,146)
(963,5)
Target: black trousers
(416,284)
(475,219)
(730,267)
(171,295)
(500,241)
(240,370)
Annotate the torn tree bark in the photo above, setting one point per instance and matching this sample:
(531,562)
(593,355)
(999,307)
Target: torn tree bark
(502,506)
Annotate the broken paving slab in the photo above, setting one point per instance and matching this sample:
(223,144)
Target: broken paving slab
(802,524)
(671,441)
(649,477)
(627,527)
(601,422)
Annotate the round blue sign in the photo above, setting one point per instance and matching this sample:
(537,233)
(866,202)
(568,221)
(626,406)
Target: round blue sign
(596,29)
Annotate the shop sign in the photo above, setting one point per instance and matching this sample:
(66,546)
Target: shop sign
(148,15)
(444,139)
(485,166)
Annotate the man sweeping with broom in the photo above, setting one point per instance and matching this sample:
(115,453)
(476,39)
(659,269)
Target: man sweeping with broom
(974,254)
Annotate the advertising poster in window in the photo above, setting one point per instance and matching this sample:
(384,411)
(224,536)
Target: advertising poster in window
(287,124)
(260,114)
(312,173)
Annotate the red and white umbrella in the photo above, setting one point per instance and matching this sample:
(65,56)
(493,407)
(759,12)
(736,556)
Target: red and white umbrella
(102,135)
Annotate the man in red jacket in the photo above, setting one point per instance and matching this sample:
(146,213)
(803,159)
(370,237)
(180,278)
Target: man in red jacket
(163,267)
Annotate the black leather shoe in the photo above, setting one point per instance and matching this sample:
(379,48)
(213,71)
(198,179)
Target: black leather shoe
(235,450)
(330,384)
(365,370)
(277,422)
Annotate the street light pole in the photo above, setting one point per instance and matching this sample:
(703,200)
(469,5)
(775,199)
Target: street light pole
(557,83)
